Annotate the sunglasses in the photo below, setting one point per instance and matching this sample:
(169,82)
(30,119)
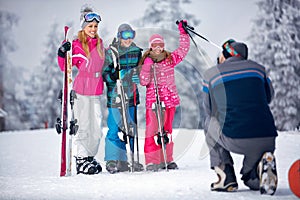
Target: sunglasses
(125,35)
(89,17)
(156,45)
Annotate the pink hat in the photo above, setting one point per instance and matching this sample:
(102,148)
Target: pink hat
(156,38)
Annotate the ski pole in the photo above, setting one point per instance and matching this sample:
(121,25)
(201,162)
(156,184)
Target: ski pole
(185,26)
(136,136)
(159,118)
(191,29)
(135,121)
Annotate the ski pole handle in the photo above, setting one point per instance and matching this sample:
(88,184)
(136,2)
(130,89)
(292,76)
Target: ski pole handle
(190,28)
(185,25)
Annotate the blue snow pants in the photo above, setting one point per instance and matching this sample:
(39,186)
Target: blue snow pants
(115,148)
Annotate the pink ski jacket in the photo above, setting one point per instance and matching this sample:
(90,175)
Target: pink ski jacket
(165,75)
(89,80)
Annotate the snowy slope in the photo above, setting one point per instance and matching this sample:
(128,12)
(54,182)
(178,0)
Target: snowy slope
(29,169)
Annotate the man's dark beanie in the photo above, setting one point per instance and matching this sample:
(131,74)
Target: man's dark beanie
(233,48)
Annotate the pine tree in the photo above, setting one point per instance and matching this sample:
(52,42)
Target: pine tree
(164,13)
(9,74)
(276,44)
(46,83)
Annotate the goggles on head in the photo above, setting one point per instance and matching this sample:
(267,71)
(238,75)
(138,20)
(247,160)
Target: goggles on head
(89,17)
(157,45)
(227,46)
(228,42)
(125,35)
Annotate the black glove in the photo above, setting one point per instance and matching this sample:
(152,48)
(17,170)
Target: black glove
(66,46)
(118,74)
(182,26)
(114,76)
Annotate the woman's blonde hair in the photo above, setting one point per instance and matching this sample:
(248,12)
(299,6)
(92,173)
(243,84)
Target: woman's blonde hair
(83,39)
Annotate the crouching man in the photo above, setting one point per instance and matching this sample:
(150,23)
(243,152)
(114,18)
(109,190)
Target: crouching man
(238,120)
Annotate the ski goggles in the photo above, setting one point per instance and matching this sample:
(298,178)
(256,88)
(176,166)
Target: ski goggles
(157,45)
(89,17)
(229,49)
(125,35)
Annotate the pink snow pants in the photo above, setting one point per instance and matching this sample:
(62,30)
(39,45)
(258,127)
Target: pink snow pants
(153,151)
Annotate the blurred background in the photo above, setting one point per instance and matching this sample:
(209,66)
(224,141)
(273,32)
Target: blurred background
(32,30)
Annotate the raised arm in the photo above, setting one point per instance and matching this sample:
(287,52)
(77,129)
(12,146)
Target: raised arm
(184,44)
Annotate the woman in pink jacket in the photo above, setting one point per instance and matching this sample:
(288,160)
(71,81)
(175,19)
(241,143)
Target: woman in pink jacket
(88,57)
(164,63)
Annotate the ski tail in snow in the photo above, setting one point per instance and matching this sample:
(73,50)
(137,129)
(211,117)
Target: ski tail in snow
(67,121)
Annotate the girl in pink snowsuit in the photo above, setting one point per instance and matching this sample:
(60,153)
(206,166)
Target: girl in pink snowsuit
(164,63)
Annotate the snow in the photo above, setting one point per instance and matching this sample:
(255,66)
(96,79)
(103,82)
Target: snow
(30,163)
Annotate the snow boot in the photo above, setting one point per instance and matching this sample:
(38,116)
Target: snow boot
(170,165)
(152,167)
(84,166)
(267,174)
(123,166)
(96,164)
(111,166)
(138,167)
(227,179)
(251,179)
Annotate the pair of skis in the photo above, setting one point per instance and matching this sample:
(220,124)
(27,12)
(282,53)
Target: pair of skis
(66,97)
(127,128)
(159,108)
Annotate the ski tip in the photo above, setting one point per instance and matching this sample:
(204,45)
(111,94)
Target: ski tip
(66,29)
(68,33)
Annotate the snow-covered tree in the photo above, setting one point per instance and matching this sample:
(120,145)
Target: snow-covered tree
(9,74)
(276,44)
(160,17)
(46,83)
(164,13)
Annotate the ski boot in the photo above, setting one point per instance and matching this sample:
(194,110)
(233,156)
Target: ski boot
(227,179)
(96,164)
(111,166)
(152,167)
(170,165)
(267,174)
(84,166)
(138,167)
(123,166)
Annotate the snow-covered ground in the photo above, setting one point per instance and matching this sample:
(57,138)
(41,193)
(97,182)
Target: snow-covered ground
(30,161)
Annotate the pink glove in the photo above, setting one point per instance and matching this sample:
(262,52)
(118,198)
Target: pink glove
(148,62)
(181,27)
